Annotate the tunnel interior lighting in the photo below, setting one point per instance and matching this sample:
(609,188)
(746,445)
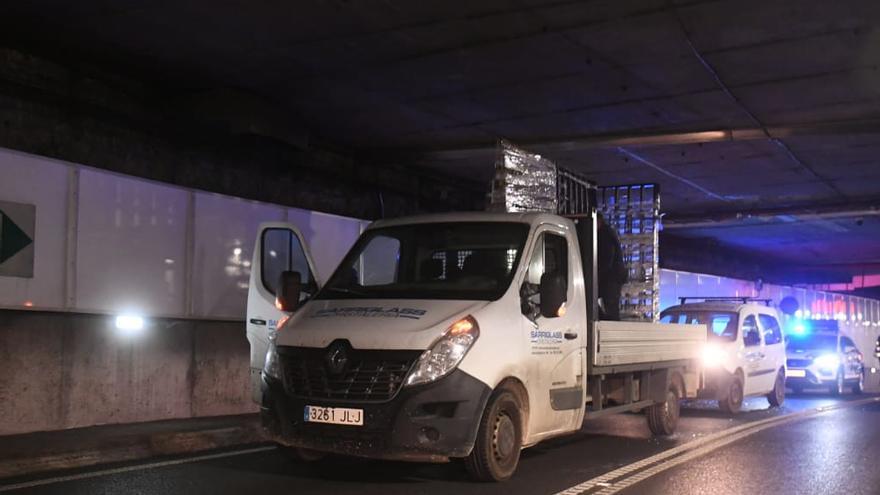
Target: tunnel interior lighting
(129,324)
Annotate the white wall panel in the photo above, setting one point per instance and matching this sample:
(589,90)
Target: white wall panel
(329,237)
(41,182)
(225,231)
(131,244)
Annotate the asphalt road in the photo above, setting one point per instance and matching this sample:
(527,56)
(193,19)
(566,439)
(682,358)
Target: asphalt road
(831,452)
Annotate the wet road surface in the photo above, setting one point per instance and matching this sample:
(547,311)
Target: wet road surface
(835,452)
(603,445)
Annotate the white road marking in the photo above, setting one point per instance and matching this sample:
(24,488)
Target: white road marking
(127,469)
(626,476)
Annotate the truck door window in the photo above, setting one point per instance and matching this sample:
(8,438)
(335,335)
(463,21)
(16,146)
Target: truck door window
(751,335)
(550,256)
(282,251)
(772,332)
(379,261)
(847,345)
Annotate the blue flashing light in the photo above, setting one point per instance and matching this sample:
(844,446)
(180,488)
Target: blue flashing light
(799,328)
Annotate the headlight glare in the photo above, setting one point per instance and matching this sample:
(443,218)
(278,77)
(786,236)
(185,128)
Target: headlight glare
(445,355)
(713,356)
(827,361)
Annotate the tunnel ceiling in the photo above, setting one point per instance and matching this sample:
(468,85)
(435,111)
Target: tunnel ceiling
(738,106)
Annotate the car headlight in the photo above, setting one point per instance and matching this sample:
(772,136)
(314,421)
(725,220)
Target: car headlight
(827,361)
(446,353)
(713,356)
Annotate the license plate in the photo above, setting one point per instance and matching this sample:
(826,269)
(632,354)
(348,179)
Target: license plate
(334,415)
(796,373)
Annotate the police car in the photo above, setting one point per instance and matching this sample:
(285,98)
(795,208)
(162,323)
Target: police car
(819,356)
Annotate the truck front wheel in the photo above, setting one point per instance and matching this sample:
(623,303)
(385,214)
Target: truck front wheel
(663,417)
(499,439)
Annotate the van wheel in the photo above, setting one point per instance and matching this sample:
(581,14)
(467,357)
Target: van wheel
(663,417)
(499,439)
(733,399)
(777,396)
(859,387)
(297,454)
(839,385)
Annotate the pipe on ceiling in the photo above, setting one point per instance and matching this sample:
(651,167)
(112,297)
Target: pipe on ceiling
(799,215)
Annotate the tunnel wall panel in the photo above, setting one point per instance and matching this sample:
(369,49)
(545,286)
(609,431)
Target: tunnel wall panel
(61,371)
(225,229)
(41,182)
(110,243)
(131,242)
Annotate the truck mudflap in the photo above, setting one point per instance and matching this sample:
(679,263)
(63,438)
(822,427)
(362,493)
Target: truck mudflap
(426,423)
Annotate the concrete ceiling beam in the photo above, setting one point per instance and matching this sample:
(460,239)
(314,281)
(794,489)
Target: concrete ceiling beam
(576,143)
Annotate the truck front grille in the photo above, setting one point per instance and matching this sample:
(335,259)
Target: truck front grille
(799,363)
(369,375)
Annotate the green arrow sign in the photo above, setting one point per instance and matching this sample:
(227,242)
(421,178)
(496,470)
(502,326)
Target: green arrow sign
(12,238)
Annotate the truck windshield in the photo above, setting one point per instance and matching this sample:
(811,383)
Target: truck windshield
(468,261)
(722,324)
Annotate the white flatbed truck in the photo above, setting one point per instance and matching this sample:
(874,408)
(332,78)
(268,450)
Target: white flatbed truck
(465,335)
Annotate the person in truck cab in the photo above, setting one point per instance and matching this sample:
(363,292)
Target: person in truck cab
(611,270)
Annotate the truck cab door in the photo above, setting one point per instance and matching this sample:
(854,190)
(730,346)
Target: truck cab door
(557,341)
(279,247)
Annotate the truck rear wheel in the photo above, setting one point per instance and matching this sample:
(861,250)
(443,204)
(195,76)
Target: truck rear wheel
(733,399)
(499,439)
(663,417)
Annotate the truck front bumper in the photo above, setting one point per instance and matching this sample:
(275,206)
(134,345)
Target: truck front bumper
(426,423)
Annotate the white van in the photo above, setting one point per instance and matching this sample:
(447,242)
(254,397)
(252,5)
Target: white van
(745,353)
(467,335)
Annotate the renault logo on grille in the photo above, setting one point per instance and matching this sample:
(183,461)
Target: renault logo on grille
(337,358)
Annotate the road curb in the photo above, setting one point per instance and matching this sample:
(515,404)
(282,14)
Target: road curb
(136,447)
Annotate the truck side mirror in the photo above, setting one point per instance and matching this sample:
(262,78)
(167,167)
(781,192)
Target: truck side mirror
(553,294)
(289,290)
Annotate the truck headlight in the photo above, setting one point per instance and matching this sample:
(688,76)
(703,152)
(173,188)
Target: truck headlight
(446,353)
(827,361)
(272,368)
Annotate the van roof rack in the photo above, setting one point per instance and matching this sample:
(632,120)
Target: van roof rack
(744,300)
